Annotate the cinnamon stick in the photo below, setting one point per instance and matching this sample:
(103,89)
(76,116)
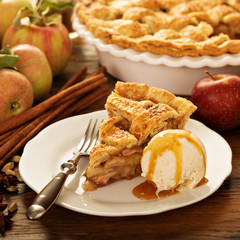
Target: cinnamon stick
(100,70)
(80,75)
(85,89)
(10,134)
(20,135)
(38,124)
(6,134)
(86,86)
(87,100)
(5,139)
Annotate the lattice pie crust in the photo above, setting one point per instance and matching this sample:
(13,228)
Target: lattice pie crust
(136,113)
(173,27)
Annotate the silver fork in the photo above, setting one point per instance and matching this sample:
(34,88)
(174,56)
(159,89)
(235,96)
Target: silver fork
(49,194)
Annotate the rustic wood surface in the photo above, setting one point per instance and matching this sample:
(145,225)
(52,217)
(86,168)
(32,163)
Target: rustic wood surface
(216,217)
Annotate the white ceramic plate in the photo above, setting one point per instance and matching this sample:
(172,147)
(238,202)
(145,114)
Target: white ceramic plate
(43,155)
(175,74)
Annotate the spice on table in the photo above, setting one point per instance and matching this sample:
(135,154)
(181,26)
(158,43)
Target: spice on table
(5,217)
(6,181)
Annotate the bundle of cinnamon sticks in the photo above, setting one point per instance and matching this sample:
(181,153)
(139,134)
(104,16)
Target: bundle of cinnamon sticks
(78,93)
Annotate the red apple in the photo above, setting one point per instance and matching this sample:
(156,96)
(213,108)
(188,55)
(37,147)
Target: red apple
(53,40)
(9,10)
(16,94)
(218,100)
(33,64)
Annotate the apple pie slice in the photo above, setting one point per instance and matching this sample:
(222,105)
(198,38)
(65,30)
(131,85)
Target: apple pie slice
(136,112)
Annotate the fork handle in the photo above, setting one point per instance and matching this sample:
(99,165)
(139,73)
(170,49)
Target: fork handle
(45,199)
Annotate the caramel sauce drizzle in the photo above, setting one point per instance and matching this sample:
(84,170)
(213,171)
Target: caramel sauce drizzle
(158,147)
(147,191)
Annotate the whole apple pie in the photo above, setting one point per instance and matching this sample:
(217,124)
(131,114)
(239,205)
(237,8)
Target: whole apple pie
(173,27)
(136,113)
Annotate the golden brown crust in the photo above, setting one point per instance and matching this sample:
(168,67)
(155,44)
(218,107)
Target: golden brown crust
(173,27)
(151,121)
(136,113)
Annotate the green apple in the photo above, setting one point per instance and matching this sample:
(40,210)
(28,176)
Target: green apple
(16,93)
(33,64)
(9,10)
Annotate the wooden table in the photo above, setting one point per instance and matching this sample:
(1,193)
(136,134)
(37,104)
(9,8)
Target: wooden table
(216,217)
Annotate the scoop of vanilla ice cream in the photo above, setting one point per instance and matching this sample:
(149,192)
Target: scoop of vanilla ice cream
(174,160)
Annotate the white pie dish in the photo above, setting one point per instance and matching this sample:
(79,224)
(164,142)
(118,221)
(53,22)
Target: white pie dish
(175,74)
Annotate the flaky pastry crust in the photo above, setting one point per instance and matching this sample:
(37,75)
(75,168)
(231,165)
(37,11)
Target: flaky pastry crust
(136,113)
(173,27)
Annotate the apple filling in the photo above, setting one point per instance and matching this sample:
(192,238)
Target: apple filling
(117,167)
